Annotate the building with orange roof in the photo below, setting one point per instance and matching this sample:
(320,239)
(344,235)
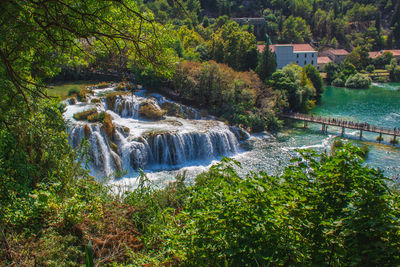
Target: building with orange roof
(337,55)
(375,54)
(301,54)
(322,61)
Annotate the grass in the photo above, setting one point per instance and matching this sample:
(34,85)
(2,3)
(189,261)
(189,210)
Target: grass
(61,90)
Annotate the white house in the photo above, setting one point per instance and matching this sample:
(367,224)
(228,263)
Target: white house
(301,54)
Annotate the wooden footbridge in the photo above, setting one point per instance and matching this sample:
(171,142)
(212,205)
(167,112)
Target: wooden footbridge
(360,126)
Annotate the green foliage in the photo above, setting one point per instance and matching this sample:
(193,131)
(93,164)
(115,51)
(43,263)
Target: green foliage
(394,70)
(223,92)
(358,81)
(73,91)
(234,46)
(266,64)
(359,57)
(338,82)
(295,30)
(370,68)
(320,211)
(331,69)
(84,115)
(316,79)
(295,84)
(383,60)
(89,255)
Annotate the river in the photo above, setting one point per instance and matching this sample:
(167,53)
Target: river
(378,105)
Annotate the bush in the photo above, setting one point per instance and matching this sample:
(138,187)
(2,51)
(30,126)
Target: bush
(74,91)
(337,144)
(81,116)
(102,85)
(358,81)
(112,97)
(370,68)
(151,110)
(319,211)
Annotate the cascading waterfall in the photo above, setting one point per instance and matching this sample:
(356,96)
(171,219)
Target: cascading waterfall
(162,144)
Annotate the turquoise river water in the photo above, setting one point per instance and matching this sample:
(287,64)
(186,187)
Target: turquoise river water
(379,105)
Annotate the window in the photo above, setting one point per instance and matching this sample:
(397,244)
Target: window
(305,62)
(297,55)
(312,62)
(312,55)
(297,62)
(305,55)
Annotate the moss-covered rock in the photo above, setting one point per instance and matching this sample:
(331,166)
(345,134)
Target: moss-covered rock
(102,85)
(108,126)
(112,97)
(114,147)
(173,109)
(95,100)
(87,130)
(151,110)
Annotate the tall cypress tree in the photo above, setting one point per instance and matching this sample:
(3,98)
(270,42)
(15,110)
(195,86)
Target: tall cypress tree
(266,64)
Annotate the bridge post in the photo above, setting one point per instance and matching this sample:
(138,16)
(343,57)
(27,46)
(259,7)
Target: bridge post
(360,134)
(323,128)
(305,124)
(342,131)
(394,139)
(326,129)
(380,137)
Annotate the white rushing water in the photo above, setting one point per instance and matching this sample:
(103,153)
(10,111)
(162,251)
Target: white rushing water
(136,142)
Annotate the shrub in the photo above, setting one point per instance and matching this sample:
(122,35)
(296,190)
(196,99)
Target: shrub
(73,91)
(320,210)
(337,144)
(151,110)
(95,100)
(338,82)
(107,125)
(172,109)
(370,68)
(112,97)
(365,150)
(81,116)
(102,85)
(358,81)
(97,117)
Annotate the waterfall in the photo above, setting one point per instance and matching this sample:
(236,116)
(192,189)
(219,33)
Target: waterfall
(163,144)
(127,107)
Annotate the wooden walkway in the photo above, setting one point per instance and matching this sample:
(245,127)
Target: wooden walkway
(361,126)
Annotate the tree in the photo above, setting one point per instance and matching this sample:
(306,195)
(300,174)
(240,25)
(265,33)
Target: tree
(358,81)
(295,30)
(359,57)
(36,39)
(266,64)
(320,211)
(331,69)
(297,87)
(316,79)
(381,61)
(394,70)
(233,45)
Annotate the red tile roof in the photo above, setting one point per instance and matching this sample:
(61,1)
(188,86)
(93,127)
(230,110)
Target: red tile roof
(376,54)
(303,48)
(338,52)
(296,47)
(395,52)
(323,60)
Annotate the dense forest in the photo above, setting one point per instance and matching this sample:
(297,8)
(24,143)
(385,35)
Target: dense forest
(323,209)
